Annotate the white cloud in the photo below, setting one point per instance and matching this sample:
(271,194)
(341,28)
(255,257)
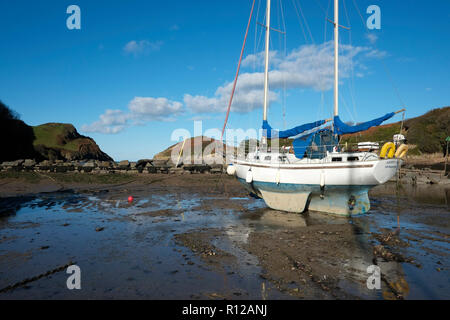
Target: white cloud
(140,111)
(141,47)
(306,67)
(376,54)
(309,66)
(372,37)
(112,121)
(148,109)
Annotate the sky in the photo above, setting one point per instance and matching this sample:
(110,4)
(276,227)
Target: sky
(139,70)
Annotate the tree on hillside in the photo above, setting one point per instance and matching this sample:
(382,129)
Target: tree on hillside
(16,137)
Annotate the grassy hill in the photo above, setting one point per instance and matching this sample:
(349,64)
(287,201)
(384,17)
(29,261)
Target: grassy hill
(427,132)
(62,141)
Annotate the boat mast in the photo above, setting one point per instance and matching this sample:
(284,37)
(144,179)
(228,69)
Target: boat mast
(336,57)
(266,70)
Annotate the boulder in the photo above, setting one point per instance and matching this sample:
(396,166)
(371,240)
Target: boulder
(143,163)
(158,162)
(28,163)
(104,164)
(150,168)
(125,164)
(89,164)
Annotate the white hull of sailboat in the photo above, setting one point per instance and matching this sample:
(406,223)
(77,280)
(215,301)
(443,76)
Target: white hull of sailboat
(338,188)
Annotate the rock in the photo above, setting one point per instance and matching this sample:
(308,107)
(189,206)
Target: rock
(28,163)
(150,168)
(176,170)
(89,164)
(158,163)
(143,163)
(125,164)
(104,164)
(215,170)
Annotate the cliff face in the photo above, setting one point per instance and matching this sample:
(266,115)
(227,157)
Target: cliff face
(59,141)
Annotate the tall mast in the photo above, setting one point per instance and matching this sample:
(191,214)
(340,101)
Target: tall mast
(266,70)
(336,57)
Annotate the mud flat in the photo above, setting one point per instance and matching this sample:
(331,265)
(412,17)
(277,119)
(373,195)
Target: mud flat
(202,237)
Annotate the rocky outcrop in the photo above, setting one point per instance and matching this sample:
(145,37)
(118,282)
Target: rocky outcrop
(60,141)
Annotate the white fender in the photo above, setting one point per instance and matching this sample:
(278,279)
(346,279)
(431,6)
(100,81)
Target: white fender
(231,170)
(249,177)
(322,178)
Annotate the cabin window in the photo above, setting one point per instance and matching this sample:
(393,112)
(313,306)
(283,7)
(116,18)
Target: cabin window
(335,159)
(256,157)
(267,158)
(352,159)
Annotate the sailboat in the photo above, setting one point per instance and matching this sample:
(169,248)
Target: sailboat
(320,175)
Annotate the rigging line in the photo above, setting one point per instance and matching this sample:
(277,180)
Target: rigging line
(256,36)
(321,7)
(321,110)
(255,46)
(284,58)
(306,23)
(300,21)
(346,108)
(359,12)
(393,83)
(352,82)
(237,71)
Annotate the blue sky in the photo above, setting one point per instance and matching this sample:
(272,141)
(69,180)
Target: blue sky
(137,70)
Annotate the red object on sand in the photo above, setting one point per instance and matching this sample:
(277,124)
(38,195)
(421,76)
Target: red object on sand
(130,199)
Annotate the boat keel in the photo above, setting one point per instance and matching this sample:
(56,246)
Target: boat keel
(291,202)
(348,202)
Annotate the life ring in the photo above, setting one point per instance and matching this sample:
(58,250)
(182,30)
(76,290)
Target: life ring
(387,146)
(401,151)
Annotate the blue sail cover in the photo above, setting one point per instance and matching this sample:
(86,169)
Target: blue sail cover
(315,144)
(301,145)
(342,128)
(271,133)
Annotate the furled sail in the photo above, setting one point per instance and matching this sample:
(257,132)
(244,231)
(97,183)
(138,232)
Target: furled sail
(271,133)
(342,128)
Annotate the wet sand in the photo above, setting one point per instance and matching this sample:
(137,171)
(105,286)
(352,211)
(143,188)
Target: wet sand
(201,236)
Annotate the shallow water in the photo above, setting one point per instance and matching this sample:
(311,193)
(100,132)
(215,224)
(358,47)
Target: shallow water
(136,255)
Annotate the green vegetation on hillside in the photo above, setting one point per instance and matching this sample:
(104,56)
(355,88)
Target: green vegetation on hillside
(377,134)
(62,141)
(55,135)
(429,131)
